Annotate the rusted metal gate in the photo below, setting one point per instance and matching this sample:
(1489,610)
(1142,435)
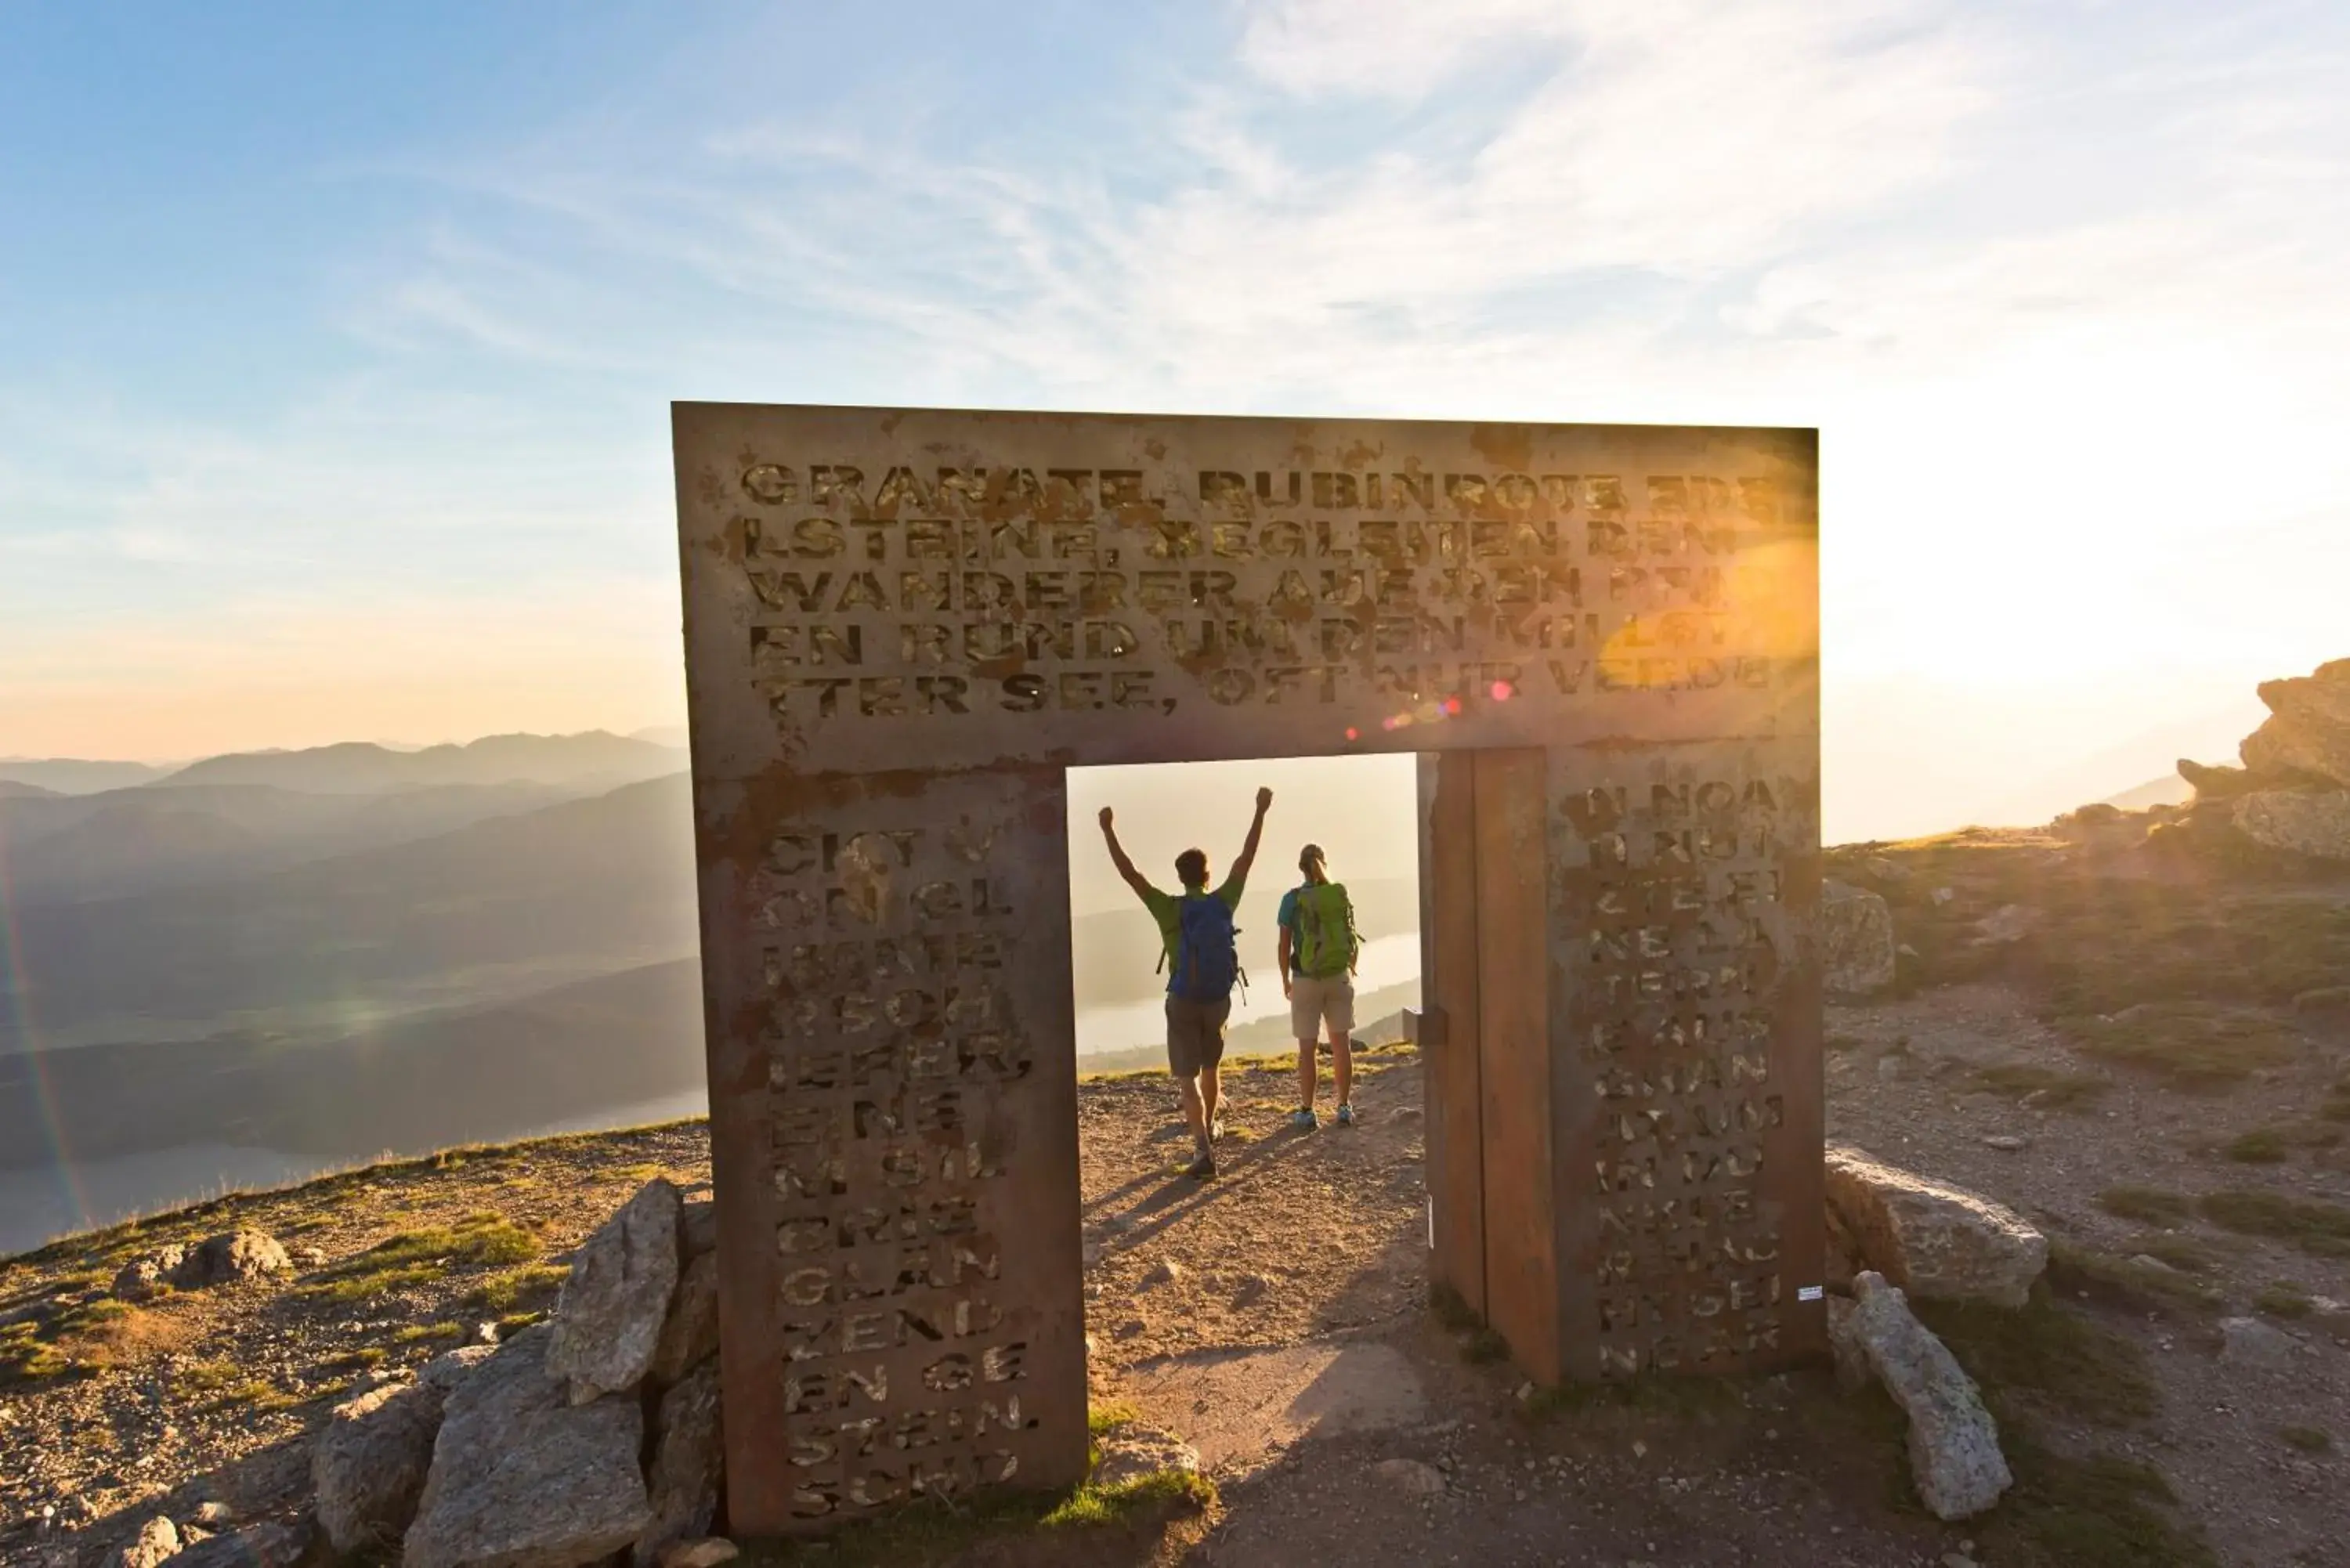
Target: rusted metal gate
(904,626)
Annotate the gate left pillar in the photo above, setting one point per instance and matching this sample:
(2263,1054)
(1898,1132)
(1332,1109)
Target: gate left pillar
(893,1128)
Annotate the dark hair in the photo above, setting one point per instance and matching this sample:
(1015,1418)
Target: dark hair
(1191,866)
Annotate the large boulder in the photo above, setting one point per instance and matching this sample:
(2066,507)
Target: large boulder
(368,1464)
(1954,1455)
(523,1478)
(233,1257)
(1855,939)
(1934,1240)
(2314,823)
(689,1460)
(697,1227)
(144,1279)
(2307,732)
(607,1322)
(689,1336)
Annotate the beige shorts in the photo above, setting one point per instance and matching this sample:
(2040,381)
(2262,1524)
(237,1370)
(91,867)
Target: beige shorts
(1195,1035)
(1314,1002)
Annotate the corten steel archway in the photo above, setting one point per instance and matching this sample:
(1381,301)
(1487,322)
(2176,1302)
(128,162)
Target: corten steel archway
(901,627)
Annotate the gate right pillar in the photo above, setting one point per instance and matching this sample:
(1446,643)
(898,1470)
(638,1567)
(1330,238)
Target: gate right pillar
(1622,1045)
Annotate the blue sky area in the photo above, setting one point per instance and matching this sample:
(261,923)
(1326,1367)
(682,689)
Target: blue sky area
(336,343)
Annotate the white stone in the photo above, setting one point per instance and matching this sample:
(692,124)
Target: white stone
(2248,1341)
(1954,1455)
(157,1539)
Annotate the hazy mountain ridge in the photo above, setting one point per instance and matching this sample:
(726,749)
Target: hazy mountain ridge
(75,848)
(595,758)
(73,776)
(503,906)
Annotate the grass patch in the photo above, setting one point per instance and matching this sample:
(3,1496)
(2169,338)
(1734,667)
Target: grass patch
(2308,1439)
(2057,1088)
(2196,1044)
(500,1292)
(2102,1512)
(207,1376)
(636,1173)
(2046,1353)
(2275,1145)
(1455,1313)
(480,1240)
(2283,1300)
(354,1360)
(2184,1254)
(25,1359)
(1095,1506)
(2323,1228)
(1110,1418)
(516,1322)
(2148,1204)
(415,1332)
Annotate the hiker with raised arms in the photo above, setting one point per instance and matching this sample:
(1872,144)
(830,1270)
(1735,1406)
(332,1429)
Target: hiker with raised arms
(1202,960)
(1317,953)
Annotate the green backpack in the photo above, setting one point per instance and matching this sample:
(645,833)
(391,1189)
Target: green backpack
(1326,939)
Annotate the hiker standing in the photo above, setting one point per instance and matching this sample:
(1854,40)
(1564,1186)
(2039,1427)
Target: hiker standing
(1318,950)
(1202,964)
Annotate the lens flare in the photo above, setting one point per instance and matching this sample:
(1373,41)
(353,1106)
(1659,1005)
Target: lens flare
(16,999)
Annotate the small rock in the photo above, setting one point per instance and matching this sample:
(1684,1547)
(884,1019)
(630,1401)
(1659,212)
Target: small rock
(2248,1341)
(234,1257)
(310,1257)
(1405,1114)
(2151,1263)
(1942,896)
(2006,1143)
(608,1320)
(1131,1328)
(1954,1455)
(144,1279)
(707,1552)
(157,1539)
(1253,1288)
(1409,1477)
(1137,1450)
(215,1514)
(2007,925)
(1166,1273)
(1856,937)
(486,1333)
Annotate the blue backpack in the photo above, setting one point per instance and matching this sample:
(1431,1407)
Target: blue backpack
(1206,961)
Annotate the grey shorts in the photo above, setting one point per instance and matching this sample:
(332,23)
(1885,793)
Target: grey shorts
(1195,1034)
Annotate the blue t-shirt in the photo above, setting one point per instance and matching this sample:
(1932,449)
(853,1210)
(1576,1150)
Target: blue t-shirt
(1287,921)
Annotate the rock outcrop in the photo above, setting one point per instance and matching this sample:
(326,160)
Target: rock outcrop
(1931,1238)
(609,1321)
(1954,1454)
(233,1257)
(522,1476)
(2308,727)
(275,1545)
(1856,949)
(2312,823)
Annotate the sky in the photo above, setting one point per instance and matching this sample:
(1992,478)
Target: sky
(336,343)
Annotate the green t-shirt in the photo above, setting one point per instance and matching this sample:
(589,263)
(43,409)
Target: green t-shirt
(1167,909)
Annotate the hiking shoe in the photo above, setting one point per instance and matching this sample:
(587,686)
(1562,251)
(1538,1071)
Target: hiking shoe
(1345,1115)
(1202,1167)
(1303,1119)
